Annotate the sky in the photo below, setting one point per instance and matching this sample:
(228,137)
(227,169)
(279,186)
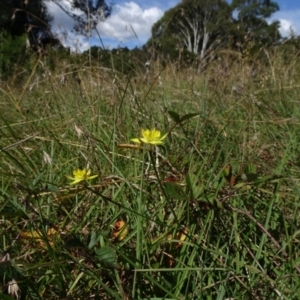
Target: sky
(131,21)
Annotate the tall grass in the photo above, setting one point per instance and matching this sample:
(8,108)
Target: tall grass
(192,229)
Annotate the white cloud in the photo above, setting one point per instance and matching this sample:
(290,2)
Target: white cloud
(285,27)
(128,21)
(63,24)
(131,22)
(289,19)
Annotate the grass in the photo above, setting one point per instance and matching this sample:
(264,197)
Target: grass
(211,214)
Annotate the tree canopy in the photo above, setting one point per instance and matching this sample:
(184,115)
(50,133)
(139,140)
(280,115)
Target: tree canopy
(199,25)
(86,13)
(32,17)
(26,23)
(19,17)
(252,19)
(194,25)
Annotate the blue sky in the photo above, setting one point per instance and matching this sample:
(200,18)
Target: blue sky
(131,21)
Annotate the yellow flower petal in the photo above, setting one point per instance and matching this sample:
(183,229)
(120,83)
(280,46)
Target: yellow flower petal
(152,136)
(145,133)
(155,134)
(136,140)
(144,140)
(81,175)
(156,143)
(75,181)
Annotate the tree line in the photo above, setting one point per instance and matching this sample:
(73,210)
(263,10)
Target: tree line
(191,32)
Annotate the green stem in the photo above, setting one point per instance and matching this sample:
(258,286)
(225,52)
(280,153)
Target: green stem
(136,293)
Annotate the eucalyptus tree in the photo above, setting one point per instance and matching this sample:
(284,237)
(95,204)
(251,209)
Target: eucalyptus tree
(194,25)
(252,20)
(86,13)
(26,23)
(17,15)
(32,16)
(21,23)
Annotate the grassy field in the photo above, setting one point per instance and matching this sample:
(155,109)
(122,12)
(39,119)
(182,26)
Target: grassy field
(212,213)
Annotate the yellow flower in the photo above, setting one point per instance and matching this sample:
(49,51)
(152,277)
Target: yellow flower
(152,137)
(81,175)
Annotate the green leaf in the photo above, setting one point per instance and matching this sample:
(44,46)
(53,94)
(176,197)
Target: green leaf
(94,239)
(175,116)
(6,297)
(37,179)
(174,190)
(53,188)
(194,187)
(242,185)
(250,169)
(106,255)
(188,116)
(268,178)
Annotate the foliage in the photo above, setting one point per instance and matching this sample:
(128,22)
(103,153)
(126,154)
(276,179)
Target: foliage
(91,13)
(12,53)
(18,14)
(28,23)
(122,60)
(193,25)
(252,21)
(32,17)
(27,17)
(203,26)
